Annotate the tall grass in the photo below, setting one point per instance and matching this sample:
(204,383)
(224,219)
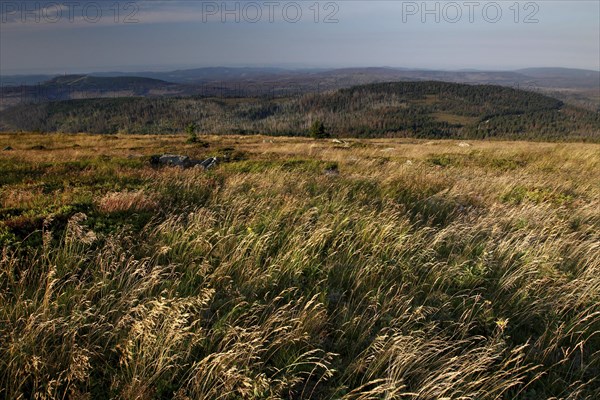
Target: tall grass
(395,280)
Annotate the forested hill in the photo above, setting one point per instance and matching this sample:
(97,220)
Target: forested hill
(404,109)
(85,86)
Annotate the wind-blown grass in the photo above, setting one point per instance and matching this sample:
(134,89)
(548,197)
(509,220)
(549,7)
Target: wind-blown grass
(477,277)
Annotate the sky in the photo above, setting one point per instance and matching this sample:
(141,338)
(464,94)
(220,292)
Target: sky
(94,36)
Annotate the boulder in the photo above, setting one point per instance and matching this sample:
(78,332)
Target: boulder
(7,148)
(175,160)
(155,160)
(208,163)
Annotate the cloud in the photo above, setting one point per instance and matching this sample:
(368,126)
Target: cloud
(50,15)
(368,33)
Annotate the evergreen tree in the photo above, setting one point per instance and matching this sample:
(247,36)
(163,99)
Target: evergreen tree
(318,131)
(191,132)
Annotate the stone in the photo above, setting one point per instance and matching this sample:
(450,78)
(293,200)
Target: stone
(155,160)
(175,160)
(209,163)
(7,148)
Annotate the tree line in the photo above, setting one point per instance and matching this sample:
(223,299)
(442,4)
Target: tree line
(399,109)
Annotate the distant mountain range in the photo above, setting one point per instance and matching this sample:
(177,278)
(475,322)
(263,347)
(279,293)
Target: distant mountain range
(576,86)
(544,77)
(70,87)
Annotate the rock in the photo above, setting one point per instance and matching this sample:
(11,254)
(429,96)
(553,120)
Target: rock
(38,147)
(175,160)
(155,160)
(208,163)
(7,148)
(464,144)
(337,141)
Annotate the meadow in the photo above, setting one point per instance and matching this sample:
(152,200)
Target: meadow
(298,269)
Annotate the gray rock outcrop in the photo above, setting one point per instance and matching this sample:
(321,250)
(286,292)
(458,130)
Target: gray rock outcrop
(176,160)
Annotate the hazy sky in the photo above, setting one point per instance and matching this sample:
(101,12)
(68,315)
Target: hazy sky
(86,36)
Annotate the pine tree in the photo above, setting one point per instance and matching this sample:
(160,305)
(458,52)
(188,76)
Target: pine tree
(191,132)
(318,131)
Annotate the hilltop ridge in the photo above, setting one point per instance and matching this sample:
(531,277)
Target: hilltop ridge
(402,109)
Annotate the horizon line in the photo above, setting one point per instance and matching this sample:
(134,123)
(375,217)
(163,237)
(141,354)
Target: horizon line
(166,69)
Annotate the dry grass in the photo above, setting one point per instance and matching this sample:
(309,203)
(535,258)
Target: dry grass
(127,201)
(426,271)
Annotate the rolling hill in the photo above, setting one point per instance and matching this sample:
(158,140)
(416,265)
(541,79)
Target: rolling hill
(67,87)
(573,86)
(402,109)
